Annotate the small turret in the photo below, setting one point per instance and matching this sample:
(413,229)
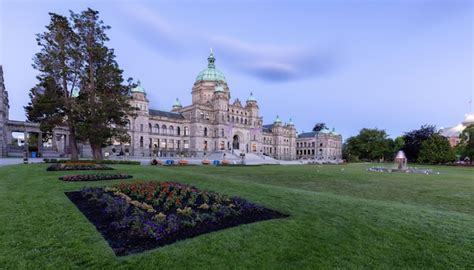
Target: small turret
(177,105)
(277,121)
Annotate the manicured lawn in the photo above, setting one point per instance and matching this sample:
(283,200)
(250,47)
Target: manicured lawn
(338,218)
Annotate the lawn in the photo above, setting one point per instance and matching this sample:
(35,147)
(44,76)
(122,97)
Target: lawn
(340,216)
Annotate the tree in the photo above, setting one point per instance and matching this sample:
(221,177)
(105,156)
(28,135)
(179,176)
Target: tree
(436,150)
(399,143)
(103,99)
(319,126)
(467,140)
(369,144)
(413,140)
(51,102)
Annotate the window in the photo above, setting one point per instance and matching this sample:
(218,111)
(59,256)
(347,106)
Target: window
(205,132)
(205,146)
(178,131)
(157,128)
(141,140)
(149,127)
(186,131)
(141,127)
(171,130)
(222,132)
(151,142)
(163,129)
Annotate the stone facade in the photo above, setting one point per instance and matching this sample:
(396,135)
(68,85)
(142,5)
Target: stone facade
(323,146)
(3,116)
(211,124)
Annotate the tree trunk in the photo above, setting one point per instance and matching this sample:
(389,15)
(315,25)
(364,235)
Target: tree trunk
(96,151)
(73,147)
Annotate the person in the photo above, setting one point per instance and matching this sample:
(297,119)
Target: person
(25,157)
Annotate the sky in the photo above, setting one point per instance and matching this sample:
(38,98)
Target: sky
(354,64)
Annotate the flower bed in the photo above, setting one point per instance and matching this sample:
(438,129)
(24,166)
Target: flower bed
(206,162)
(93,177)
(183,162)
(82,166)
(105,161)
(141,216)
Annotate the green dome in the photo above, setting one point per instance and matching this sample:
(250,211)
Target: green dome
(291,122)
(211,73)
(251,98)
(177,103)
(138,88)
(277,120)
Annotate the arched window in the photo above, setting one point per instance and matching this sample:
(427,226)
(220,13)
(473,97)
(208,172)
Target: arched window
(241,120)
(232,119)
(186,131)
(171,130)
(178,131)
(246,121)
(163,129)
(222,132)
(141,141)
(205,132)
(157,128)
(149,127)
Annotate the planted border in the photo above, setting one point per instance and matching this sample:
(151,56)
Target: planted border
(77,167)
(140,216)
(93,177)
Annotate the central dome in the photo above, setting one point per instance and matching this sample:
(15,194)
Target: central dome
(211,73)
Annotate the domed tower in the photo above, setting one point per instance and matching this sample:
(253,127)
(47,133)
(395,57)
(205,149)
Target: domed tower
(252,105)
(220,98)
(139,100)
(206,82)
(177,105)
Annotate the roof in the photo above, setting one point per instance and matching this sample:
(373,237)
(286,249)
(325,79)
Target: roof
(314,133)
(307,134)
(267,128)
(211,73)
(452,131)
(172,115)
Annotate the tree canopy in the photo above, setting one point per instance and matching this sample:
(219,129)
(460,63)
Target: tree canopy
(369,144)
(319,126)
(414,138)
(436,150)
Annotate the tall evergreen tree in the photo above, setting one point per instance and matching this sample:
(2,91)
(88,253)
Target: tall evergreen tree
(103,99)
(51,100)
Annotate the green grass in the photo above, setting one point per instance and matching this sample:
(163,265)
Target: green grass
(347,218)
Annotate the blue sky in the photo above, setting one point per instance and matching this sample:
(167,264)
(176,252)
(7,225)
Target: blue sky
(388,64)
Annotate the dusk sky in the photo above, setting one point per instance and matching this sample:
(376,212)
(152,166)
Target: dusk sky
(388,64)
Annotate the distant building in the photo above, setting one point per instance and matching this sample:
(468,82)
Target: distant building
(323,146)
(453,133)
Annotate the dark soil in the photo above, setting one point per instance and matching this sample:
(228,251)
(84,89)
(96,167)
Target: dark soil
(123,243)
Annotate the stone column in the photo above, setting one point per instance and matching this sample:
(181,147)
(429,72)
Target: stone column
(54,142)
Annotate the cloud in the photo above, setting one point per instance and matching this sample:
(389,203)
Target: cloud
(148,26)
(274,62)
(264,61)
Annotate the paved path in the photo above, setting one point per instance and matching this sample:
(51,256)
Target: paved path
(13,161)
